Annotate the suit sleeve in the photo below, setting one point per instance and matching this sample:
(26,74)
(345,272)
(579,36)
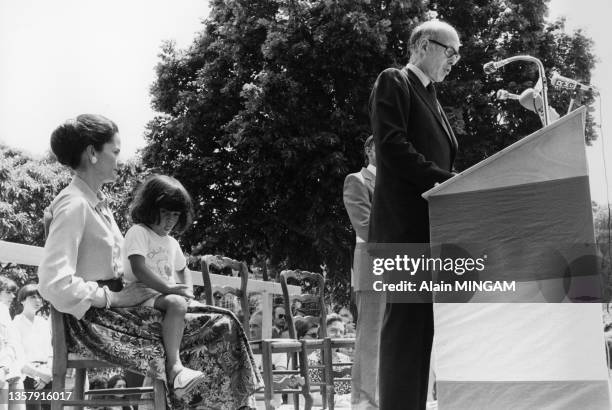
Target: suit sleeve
(358,204)
(389,114)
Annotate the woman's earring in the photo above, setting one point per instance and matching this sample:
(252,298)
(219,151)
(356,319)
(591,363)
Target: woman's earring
(94,160)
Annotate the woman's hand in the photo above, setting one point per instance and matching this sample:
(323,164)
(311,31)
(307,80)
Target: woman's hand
(132,295)
(181,289)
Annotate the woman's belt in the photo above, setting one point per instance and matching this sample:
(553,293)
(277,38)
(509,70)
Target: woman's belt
(114,285)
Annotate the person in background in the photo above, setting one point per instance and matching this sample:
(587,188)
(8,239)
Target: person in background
(279,360)
(305,328)
(279,322)
(35,334)
(370,305)
(347,318)
(11,354)
(96,383)
(335,329)
(118,382)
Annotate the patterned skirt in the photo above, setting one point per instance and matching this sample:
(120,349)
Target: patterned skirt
(213,342)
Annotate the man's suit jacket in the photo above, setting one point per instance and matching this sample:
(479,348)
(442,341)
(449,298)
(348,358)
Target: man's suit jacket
(357,195)
(413,152)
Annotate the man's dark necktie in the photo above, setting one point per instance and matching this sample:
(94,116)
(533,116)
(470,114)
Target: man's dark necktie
(432,91)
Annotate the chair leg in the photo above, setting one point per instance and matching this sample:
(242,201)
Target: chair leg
(295,366)
(58,384)
(159,395)
(304,373)
(79,384)
(266,359)
(329,376)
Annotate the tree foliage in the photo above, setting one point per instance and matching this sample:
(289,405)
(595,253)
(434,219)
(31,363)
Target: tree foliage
(27,186)
(264,115)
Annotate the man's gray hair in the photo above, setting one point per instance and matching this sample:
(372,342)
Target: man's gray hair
(427,30)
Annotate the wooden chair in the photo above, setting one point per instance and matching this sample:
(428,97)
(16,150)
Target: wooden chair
(62,361)
(275,381)
(241,293)
(311,306)
(329,345)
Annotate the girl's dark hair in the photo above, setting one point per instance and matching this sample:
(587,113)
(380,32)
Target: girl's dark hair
(27,291)
(70,139)
(7,284)
(157,192)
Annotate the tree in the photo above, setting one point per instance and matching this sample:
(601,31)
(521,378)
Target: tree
(27,187)
(264,115)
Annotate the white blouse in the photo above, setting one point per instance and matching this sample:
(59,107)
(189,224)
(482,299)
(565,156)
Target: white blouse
(83,246)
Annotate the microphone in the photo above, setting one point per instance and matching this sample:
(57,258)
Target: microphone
(493,66)
(564,83)
(505,95)
(533,101)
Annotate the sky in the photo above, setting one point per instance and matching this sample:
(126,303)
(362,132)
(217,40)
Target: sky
(64,57)
(61,58)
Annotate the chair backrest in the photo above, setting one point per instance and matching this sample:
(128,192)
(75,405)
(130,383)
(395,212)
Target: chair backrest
(310,305)
(241,293)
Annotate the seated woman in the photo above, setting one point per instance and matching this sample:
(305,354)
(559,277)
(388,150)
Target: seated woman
(335,329)
(35,333)
(118,382)
(10,348)
(80,275)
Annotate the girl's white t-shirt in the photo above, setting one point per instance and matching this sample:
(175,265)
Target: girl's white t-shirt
(163,254)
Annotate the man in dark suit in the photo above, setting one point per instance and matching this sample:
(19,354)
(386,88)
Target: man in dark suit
(415,149)
(357,196)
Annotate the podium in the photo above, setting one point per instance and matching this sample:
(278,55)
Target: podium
(528,208)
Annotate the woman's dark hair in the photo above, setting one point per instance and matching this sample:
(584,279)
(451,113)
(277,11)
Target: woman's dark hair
(70,139)
(26,291)
(303,325)
(98,382)
(7,285)
(113,380)
(157,192)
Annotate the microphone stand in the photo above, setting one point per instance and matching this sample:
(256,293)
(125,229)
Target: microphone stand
(494,65)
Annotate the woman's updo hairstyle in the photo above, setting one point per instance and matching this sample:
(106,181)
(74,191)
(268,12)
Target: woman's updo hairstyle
(70,139)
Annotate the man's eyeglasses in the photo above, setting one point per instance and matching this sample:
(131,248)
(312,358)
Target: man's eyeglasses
(280,316)
(449,51)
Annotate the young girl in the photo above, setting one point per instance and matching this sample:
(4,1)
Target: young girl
(155,258)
